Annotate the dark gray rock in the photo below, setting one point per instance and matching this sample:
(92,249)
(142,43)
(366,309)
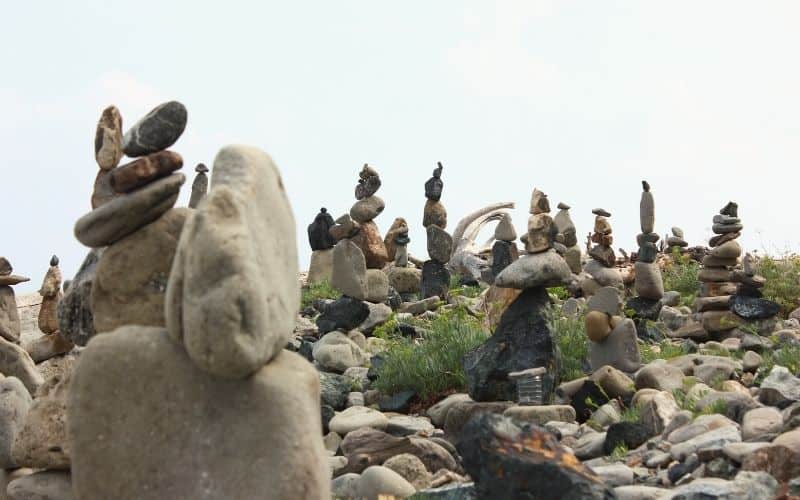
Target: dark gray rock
(398,402)
(644,308)
(588,398)
(630,434)
(504,253)
(158,130)
(343,313)
(753,307)
(333,390)
(435,280)
(199,185)
(319,236)
(75,319)
(434,185)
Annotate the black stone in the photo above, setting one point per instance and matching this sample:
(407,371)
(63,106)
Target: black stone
(679,470)
(398,402)
(319,236)
(375,363)
(344,313)
(645,186)
(54,260)
(522,340)
(334,389)
(306,350)
(75,319)
(368,186)
(394,299)
(588,398)
(523,463)
(601,212)
(753,307)
(407,330)
(644,308)
(158,130)
(629,434)
(433,189)
(504,253)
(731,209)
(649,330)
(748,291)
(435,280)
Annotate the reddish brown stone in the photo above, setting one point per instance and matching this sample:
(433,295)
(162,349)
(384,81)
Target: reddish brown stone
(370,242)
(144,170)
(103,192)
(778,461)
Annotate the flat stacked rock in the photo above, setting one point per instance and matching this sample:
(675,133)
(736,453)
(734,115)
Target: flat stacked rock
(676,243)
(600,269)
(568,237)
(199,185)
(649,283)
(435,275)
(730,296)
(319,237)
(504,250)
(613,337)
(149,396)
(52,343)
(10,327)
(138,225)
(523,339)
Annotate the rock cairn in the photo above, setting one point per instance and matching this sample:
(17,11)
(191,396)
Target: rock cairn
(435,275)
(676,241)
(730,296)
(613,337)
(405,279)
(319,237)
(523,338)
(601,268)
(232,299)
(366,208)
(9,317)
(649,283)
(399,226)
(568,237)
(52,343)
(199,185)
(504,250)
(137,226)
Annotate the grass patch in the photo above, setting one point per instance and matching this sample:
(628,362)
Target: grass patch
(681,276)
(559,292)
(619,453)
(322,290)
(456,288)
(432,365)
(783,280)
(663,350)
(631,414)
(569,334)
(788,356)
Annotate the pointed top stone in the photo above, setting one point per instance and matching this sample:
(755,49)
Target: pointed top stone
(539,203)
(54,260)
(367,171)
(201,167)
(505,229)
(5,267)
(601,212)
(563,206)
(437,172)
(646,186)
(731,209)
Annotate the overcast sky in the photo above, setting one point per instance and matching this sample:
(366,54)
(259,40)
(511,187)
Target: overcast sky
(580,99)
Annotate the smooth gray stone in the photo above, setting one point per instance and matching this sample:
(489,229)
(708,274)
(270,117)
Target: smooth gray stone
(158,130)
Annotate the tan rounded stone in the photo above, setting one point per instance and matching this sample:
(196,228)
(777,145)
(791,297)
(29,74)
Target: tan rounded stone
(598,326)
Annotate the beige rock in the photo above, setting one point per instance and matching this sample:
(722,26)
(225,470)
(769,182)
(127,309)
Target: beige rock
(367,209)
(15,402)
(321,266)
(41,442)
(102,192)
(434,214)
(377,286)
(16,362)
(108,139)
(405,279)
(10,327)
(399,226)
(649,283)
(47,346)
(349,274)
(411,468)
(233,293)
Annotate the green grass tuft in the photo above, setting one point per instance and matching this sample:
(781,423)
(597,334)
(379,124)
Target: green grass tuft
(569,333)
(663,350)
(322,290)
(681,276)
(783,280)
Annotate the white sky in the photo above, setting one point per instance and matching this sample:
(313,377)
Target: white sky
(582,99)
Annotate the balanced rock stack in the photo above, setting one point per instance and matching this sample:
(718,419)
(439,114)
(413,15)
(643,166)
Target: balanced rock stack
(9,317)
(730,297)
(367,207)
(52,343)
(649,283)
(136,224)
(179,405)
(567,235)
(504,250)
(199,185)
(676,243)
(319,237)
(613,337)
(405,279)
(601,268)
(435,276)
(523,339)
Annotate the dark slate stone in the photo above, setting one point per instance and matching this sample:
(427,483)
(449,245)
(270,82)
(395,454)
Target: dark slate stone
(158,130)
(398,402)
(644,308)
(753,307)
(630,434)
(514,463)
(306,349)
(394,299)
(679,470)
(375,363)
(588,398)
(504,253)
(407,330)
(433,189)
(319,236)
(604,255)
(731,209)
(522,340)
(748,291)
(452,491)
(344,313)
(333,390)
(649,331)
(75,319)
(647,253)
(435,280)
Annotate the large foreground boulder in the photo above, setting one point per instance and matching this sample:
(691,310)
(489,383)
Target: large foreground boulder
(146,423)
(522,340)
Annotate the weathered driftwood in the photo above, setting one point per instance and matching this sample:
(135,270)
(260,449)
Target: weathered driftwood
(466,257)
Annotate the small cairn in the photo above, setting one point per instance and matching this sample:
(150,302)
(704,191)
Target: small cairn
(435,275)
(10,327)
(601,268)
(730,297)
(199,185)
(404,279)
(613,337)
(504,250)
(319,238)
(367,207)
(523,339)
(399,226)
(649,283)
(136,223)
(676,243)
(52,343)
(568,237)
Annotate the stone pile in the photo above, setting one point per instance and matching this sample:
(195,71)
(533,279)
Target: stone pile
(199,185)
(151,396)
(504,250)
(523,338)
(9,317)
(435,275)
(319,237)
(613,336)
(649,283)
(600,270)
(730,296)
(676,243)
(52,343)
(367,207)
(404,278)
(134,222)
(568,237)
